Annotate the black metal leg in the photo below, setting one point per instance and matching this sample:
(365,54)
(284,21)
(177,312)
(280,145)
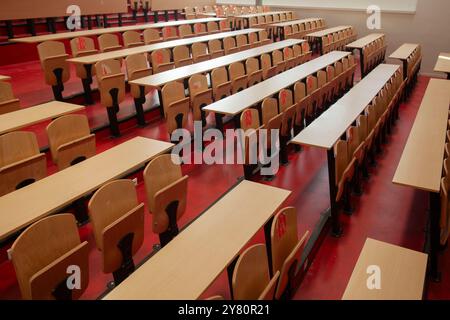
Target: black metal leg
(87,85)
(119,17)
(219,121)
(161,106)
(9,29)
(138,102)
(31,27)
(89,22)
(105,21)
(166,15)
(434,236)
(361,62)
(267,236)
(230,270)
(334,208)
(127,267)
(176,14)
(98,21)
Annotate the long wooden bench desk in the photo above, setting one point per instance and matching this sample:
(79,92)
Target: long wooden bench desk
(420,166)
(243,21)
(97,32)
(185,268)
(236,103)
(327,129)
(4,78)
(316,37)
(443,64)
(403,53)
(279,27)
(360,44)
(90,60)
(26,117)
(22,207)
(401,271)
(157,81)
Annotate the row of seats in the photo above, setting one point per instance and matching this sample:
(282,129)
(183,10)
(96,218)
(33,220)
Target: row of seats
(22,163)
(222,10)
(118,225)
(338,40)
(8,102)
(374,54)
(445,190)
(414,62)
(354,155)
(299,30)
(292,110)
(265,21)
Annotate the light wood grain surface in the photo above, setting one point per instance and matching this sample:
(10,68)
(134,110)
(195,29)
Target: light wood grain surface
(443,63)
(242,100)
(24,206)
(361,43)
(402,273)
(196,257)
(4,78)
(332,124)
(421,162)
(179,4)
(26,117)
(404,51)
(96,32)
(322,33)
(262,14)
(159,79)
(117,54)
(292,22)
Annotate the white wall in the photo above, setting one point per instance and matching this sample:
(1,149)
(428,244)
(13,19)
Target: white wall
(429,26)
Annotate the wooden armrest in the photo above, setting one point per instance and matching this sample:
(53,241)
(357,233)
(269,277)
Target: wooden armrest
(202,93)
(225,84)
(75,142)
(87,53)
(29,159)
(240,78)
(61,56)
(258,72)
(141,73)
(181,101)
(113,76)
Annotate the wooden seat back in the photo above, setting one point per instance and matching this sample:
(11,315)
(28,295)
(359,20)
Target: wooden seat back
(108,42)
(53,57)
(110,77)
(181,56)
(152,36)
(161,60)
(132,39)
(200,94)
(8,102)
(220,83)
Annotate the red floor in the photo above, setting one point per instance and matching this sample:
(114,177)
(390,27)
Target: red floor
(385,212)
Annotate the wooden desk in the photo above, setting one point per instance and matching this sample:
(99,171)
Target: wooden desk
(4,78)
(184,268)
(26,117)
(157,81)
(97,32)
(420,166)
(327,129)
(279,27)
(89,61)
(403,53)
(402,273)
(243,21)
(21,208)
(316,37)
(443,64)
(235,104)
(360,44)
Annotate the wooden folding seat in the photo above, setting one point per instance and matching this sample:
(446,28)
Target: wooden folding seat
(253,40)
(269,19)
(444,222)
(325,45)
(137,66)
(249,122)
(118,225)
(299,57)
(253,23)
(169,33)
(70,140)
(333,84)
(287,109)
(259,9)
(313,90)
(289,16)
(296,31)
(200,52)
(185,31)
(152,36)
(161,60)
(108,42)
(8,102)
(132,39)
(341,77)
(276,18)
(242,42)
(111,84)
(215,48)
(278,61)
(212,27)
(264,37)
(251,280)
(261,21)
(268,69)
(289,58)
(286,248)
(200,29)
(344,174)
(176,105)
(230,46)
(302,102)
(238,77)
(21,162)
(166,189)
(269,110)
(254,72)
(190,13)
(351,71)
(83,46)
(224,25)
(43,255)
(53,57)
(326,88)
(182,56)
(220,83)
(200,95)
(306,50)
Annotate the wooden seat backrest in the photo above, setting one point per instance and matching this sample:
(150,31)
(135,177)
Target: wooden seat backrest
(8,103)
(108,41)
(200,28)
(341,159)
(269,109)
(16,146)
(82,46)
(169,33)
(185,30)
(181,53)
(250,119)
(241,40)
(160,56)
(115,211)
(199,49)
(132,38)
(42,244)
(251,273)
(286,99)
(151,36)
(212,27)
